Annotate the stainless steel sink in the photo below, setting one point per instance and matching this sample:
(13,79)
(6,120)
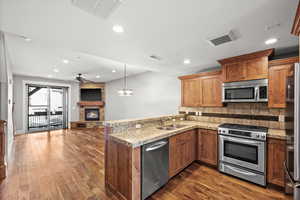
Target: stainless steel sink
(170,127)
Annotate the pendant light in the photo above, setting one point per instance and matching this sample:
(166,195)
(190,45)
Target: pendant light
(125,91)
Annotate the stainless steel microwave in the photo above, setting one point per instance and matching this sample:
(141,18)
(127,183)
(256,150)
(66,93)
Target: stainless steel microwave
(246,91)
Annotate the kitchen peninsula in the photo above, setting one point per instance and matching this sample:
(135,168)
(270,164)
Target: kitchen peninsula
(189,140)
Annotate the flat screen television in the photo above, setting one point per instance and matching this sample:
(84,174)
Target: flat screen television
(90,94)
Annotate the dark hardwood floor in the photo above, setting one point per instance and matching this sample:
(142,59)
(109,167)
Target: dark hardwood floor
(69,164)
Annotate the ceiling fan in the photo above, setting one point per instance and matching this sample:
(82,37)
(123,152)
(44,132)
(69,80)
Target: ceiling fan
(82,79)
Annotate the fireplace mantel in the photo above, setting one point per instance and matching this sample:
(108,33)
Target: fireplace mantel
(91,103)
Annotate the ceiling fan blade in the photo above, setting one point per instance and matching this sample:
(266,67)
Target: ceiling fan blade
(82,80)
(87,81)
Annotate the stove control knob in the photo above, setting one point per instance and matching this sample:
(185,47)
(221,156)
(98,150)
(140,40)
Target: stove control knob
(257,136)
(263,136)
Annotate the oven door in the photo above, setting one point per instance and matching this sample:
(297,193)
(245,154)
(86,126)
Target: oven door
(239,94)
(242,152)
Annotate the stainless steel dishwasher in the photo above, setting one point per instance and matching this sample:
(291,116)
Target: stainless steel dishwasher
(155,166)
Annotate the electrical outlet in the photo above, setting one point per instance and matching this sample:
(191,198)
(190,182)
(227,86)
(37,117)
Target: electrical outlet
(138,126)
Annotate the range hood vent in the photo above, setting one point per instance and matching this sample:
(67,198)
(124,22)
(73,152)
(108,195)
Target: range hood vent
(99,8)
(222,39)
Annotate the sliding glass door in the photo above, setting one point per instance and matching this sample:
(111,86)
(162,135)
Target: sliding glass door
(47,108)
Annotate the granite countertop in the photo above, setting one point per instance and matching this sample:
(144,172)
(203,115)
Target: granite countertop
(277,134)
(139,137)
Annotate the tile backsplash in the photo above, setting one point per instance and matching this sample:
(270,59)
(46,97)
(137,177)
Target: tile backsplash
(257,114)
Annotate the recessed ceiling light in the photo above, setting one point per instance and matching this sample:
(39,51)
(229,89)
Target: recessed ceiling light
(97,76)
(118,29)
(114,71)
(49,76)
(186,61)
(271,41)
(56,70)
(66,61)
(27,39)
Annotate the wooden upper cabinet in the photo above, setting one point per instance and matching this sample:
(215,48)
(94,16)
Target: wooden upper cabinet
(277,86)
(278,73)
(211,91)
(246,67)
(296,25)
(201,90)
(191,92)
(234,72)
(256,68)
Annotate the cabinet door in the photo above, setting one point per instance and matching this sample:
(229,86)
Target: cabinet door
(189,148)
(191,92)
(208,146)
(234,72)
(182,151)
(174,156)
(211,91)
(256,68)
(277,85)
(276,158)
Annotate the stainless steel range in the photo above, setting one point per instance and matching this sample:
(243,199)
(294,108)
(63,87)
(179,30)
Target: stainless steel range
(242,151)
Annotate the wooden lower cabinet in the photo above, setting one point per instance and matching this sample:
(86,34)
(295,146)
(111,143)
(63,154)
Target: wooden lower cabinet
(123,170)
(208,146)
(2,150)
(275,166)
(182,151)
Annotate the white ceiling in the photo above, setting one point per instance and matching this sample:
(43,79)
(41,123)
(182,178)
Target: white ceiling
(171,29)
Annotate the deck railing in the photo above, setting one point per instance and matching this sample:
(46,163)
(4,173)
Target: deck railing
(42,120)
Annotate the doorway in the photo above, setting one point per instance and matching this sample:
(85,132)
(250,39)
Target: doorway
(47,108)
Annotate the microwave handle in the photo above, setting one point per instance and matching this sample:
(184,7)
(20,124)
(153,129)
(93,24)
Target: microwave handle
(256,93)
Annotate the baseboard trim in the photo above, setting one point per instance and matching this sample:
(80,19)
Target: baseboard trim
(2,171)
(20,132)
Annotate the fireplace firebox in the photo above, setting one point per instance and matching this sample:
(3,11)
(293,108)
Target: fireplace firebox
(92,114)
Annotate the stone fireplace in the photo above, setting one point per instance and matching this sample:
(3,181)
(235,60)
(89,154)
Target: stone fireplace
(92,114)
(91,107)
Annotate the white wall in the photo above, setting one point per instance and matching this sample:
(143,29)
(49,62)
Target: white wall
(6,94)
(154,94)
(20,112)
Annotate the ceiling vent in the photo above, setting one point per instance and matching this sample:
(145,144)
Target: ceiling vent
(222,39)
(100,8)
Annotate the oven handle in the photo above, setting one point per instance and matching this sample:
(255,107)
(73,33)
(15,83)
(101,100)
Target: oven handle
(241,171)
(242,141)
